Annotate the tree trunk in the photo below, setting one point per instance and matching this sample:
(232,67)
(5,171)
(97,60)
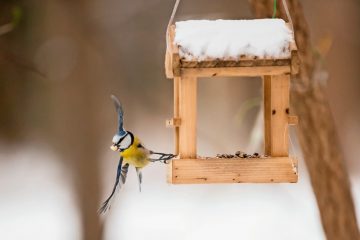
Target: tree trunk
(76,101)
(317,133)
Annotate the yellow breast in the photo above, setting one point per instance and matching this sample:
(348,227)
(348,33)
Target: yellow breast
(135,155)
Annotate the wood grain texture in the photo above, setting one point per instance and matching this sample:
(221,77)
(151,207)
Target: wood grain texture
(267,113)
(173,122)
(235,71)
(168,65)
(177,113)
(276,113)
(188,116)
(172,58)
(317,133)
(234,170)
(242,62)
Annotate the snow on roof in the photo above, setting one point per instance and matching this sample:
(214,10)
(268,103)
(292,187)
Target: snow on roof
(200,40)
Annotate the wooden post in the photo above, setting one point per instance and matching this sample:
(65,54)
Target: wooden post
(276,115)
(176,112)
(187,110)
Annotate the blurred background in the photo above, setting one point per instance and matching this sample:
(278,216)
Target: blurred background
(59,63)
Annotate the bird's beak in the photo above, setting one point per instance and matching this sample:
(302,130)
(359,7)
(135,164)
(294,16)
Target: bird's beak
(114,147)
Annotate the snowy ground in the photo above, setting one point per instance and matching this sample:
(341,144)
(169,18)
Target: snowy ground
(36,200)
(36,203)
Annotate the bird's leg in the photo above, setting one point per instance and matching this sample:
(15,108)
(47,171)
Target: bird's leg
(139,174)
(163,157)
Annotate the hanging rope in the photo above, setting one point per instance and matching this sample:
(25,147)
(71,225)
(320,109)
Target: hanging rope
(289,17)
(288,14)
(284,3)
(274,9)
(171,21)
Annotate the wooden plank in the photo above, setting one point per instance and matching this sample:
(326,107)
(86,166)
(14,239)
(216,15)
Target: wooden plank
(176,65)
(267,113)
(276,112)
(234,170)
(295,62)
(173,122)
(168,65)
(168,54)
(235,71)
(187,112)
(173,47)
(176,112)
(172,58)
(174,53)
(169,175)
(242,62)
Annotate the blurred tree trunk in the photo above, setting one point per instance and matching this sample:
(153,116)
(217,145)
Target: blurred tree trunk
(77,102)
(317,133)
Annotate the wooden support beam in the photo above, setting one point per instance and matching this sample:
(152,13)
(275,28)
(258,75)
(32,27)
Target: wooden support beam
(168,65)
(234,170)
(177,112)
(172,58)
(235,71)
(276,113)
(187,112)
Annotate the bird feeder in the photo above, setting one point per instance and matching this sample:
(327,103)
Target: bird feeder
(185,65)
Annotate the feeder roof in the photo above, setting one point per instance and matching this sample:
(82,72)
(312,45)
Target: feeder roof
(200,40)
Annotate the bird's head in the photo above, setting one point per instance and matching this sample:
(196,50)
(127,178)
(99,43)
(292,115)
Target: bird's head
(120,143)
(122,139)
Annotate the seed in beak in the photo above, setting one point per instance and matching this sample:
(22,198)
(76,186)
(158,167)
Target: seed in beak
(114,148)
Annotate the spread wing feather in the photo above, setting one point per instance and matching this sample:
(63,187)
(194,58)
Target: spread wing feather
(106,205)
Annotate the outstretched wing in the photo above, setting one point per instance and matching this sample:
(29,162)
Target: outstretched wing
(120,112)
(124,172)
(106,205)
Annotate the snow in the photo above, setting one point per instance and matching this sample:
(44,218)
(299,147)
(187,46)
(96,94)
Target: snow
(199,40)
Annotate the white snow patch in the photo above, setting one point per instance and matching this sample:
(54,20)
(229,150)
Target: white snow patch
(36,197)
(199,40)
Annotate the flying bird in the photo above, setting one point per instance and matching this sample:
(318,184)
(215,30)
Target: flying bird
(132,153)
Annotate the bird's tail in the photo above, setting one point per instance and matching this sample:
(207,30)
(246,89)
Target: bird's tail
(139,174)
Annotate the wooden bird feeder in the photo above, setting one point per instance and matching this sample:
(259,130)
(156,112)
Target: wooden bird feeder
(278,167)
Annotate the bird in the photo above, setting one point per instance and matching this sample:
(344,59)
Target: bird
(132,153)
